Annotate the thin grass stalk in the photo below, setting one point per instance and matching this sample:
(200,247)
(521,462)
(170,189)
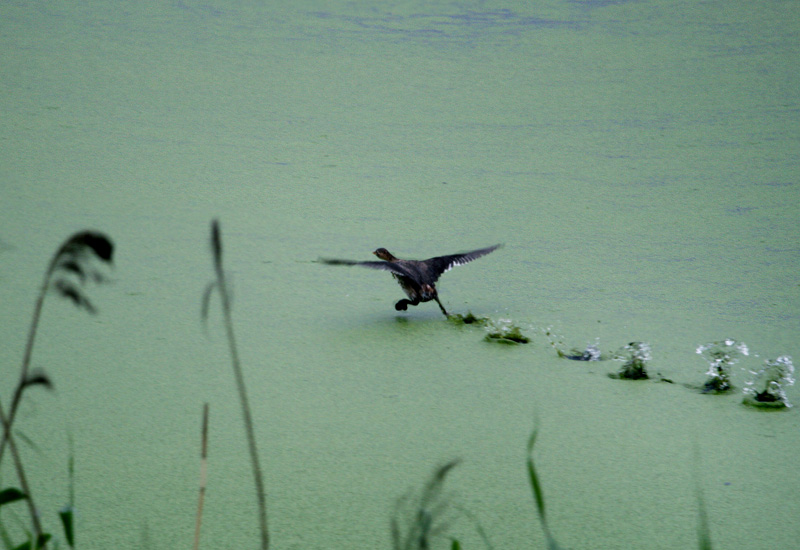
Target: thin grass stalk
(203,477)
(26,361)
(8,421)
(216,248)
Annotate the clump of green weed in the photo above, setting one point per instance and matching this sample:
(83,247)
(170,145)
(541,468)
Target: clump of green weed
(635,357)
(468,319)
(505,332)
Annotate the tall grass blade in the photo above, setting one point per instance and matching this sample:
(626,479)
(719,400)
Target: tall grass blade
(222,287)
(533,479)
(418,519)
(538,494)
(703,529)
(67,519)
(67,513)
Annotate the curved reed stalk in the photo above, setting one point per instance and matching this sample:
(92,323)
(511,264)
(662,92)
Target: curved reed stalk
(221,286)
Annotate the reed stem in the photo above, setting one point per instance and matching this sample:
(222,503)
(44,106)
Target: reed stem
(203,477)
(216,248)
(26,361)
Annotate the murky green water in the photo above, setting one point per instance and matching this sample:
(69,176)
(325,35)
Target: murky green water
(638,159)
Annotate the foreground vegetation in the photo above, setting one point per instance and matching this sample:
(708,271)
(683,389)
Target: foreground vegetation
(420,518)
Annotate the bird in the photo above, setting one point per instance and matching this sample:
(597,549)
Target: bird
(417,278)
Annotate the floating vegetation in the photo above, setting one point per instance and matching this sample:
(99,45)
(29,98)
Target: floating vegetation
(662,378)
(635,356)
(505,332)
(768,387)
(721,356)
(468,319)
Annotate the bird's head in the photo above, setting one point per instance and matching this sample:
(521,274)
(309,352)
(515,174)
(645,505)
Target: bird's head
(384,254)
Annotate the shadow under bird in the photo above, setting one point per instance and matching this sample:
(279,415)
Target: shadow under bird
(417,278)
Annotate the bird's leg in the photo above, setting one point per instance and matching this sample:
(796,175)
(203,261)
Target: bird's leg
(441,306)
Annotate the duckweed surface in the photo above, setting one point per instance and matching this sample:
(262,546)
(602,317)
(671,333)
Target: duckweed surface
(638,160)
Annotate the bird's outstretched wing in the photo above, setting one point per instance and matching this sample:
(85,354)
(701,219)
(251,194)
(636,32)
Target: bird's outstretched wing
(385,266)
(442,264)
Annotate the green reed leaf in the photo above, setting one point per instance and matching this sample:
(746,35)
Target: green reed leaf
(11,495)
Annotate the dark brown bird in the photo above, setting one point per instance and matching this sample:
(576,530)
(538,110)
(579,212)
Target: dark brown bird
(417,278)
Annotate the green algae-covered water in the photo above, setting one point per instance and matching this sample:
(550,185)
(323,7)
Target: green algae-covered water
(638,160)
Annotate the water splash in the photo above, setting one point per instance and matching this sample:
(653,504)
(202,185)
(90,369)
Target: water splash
(556,341)
(768,386)
(635,356)
(591,353)
(721,356)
